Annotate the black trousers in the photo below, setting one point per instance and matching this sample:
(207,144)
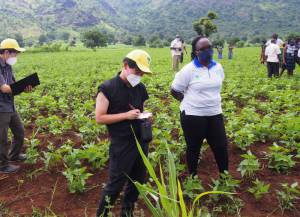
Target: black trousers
(273,69)
(124,162)
(13,122)
(196,129)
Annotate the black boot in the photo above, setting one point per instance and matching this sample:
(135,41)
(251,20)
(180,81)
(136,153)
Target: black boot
(9,168)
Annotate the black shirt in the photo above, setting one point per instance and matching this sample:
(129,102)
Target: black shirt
(120,97)
(6,77)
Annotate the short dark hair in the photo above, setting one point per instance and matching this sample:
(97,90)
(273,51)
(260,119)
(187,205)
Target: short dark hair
(275,36)
(132,64)
(9,50)
(194,42)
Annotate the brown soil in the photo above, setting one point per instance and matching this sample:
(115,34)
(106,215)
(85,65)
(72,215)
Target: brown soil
(20,193)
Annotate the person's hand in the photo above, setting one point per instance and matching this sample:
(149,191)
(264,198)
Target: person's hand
(5,89)
(28,89)
(133,114)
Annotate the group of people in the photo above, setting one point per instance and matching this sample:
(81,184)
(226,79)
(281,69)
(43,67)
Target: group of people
(280,56)
(178,46)
(230,52)
(120,103)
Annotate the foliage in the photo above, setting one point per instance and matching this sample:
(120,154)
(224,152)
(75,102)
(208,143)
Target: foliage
(76,179)
(288,196)
(249,165)
(258,189)
(93,39)
(280,159)
(139,41)
(205,25)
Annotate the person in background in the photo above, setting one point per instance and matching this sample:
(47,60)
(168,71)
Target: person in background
(262,54)
(230,51)
(283,65)
(183,49)
(289,58)
(272,53)
(298,50)
(9,117)
(176,50)
(220,52)
(198,87)
(119,103)
(280,43)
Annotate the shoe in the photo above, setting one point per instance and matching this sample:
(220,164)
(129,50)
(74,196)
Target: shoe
(9,168)
(20,157)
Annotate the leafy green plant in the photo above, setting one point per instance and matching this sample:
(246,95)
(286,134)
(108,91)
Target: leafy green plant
(229,204)
(258,189)
(167,200)
(280,159)
(32,152)
(192,187)
(76,179)
(96,154)
(288,196)
(249,165)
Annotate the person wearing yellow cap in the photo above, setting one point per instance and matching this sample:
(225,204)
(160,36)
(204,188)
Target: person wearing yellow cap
(9,117)
(119,104)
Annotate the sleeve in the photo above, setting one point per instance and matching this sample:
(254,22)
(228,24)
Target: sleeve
(181,80)
(172,44)
(105,89)
(267,51)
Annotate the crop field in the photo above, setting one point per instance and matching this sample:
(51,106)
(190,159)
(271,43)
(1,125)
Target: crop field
(67,150)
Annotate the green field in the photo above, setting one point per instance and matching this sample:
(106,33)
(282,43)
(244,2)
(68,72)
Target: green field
(67,151)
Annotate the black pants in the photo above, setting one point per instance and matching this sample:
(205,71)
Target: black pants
(13,122)
(124,161)
(211,128)
(273,69)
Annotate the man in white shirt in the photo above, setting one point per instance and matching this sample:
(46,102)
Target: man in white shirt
(176,50)
(272,53)
(278,41)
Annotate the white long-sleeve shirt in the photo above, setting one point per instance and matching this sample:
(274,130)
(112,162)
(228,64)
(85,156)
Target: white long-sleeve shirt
(201,87)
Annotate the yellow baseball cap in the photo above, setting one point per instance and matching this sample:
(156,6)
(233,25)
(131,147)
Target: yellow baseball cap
(11,44)
(142,60)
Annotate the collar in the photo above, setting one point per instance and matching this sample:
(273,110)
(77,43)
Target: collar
(120,81)
(199,65)
(2,63)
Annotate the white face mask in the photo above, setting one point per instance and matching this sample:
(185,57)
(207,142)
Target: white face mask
(11,61)
(134,79)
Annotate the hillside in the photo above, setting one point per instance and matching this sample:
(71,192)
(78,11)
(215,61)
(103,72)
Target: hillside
(245,18)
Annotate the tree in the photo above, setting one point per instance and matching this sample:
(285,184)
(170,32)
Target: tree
(42,39)
(65,36)
(218,42)
(19,38)
(73,42)
(50,36)
(93,39)
(139,41)
(128,40)
(205,25)
(233,41)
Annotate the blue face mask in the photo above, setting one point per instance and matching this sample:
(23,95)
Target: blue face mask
(206,55)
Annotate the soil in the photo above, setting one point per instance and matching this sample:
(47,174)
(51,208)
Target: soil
(47,190)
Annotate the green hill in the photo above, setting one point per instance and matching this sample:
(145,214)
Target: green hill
(247,18)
